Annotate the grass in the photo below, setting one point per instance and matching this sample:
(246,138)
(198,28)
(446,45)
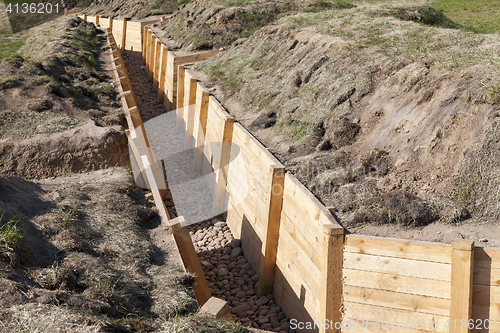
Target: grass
(9,44)
(482,16)
(11,236)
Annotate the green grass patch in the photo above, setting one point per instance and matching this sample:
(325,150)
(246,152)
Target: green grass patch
(482,16)
(11,236)
(9,44)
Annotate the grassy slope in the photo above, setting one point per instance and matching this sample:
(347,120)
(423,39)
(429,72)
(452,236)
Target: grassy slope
(477,15)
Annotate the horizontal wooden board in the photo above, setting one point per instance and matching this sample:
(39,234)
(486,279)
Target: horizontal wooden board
(301,290)
(296,257)
(398,266)
(483,295)
(418,303)
(309,208)
(246,182)
(492,313)
(487,258)
(391,282)
(311,251)
(307,227)
(372,313)
(398,248)
(486,276)
(258,177)
(255,145)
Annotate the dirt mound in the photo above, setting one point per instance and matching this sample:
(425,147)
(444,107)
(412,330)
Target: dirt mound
(82,149)
(325,91)
(94,259)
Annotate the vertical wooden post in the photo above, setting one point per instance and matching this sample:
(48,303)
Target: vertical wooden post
(156,72)
(190,260)
(124,36)
(97,21)
(462,265)
(152,47)
(221,173)
(180,98)
(331,300)
(110,23)
(202,99)
(163,71)
(85,17)
(189,105)
(274,200)
(145,42)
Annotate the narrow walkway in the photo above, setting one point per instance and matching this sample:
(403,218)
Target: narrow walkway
(228,273)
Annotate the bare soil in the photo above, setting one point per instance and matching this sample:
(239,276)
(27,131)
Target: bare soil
(389,138)
(60,114)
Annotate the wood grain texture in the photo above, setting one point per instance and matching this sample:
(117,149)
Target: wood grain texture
(461,284)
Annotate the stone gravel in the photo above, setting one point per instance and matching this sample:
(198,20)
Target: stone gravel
(231,277)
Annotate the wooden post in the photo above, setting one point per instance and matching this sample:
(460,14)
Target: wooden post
(110,23)
(180,98)
(157,196)
(145,52)
(152,52)
(189,105)
(202,99)
(163,71)
(190,260)
(331,300)
(156,72)
(274,200)
(217,308)
(97,24)
(124,36)
(85,17)
(221,173)
(462,266)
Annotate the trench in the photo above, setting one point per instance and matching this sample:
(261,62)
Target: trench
(227,271)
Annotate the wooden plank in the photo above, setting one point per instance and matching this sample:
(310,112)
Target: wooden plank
(402,284)
(461,283)
(152,54)
(486,276)
(301,294)
(221,173)
(148,50)
(311,251)
(124,36)
(145,46)
(216,308)
(180,100)
(156,71)
(255,146)
(202,99)
(163,72)
(302,224)
(190,85)
(308,206)
(302,266)
(487,258)
(190,260)
(398,266)
(485,316)
(486,295)
(152,180)
(398,248)
(196,57)
(378,314)
(417,303)
(331,276)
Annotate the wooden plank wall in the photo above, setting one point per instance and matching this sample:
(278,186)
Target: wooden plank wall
(298,285)
(134,36)
(118,32)
(249,184)
(397,281)
(486,287)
